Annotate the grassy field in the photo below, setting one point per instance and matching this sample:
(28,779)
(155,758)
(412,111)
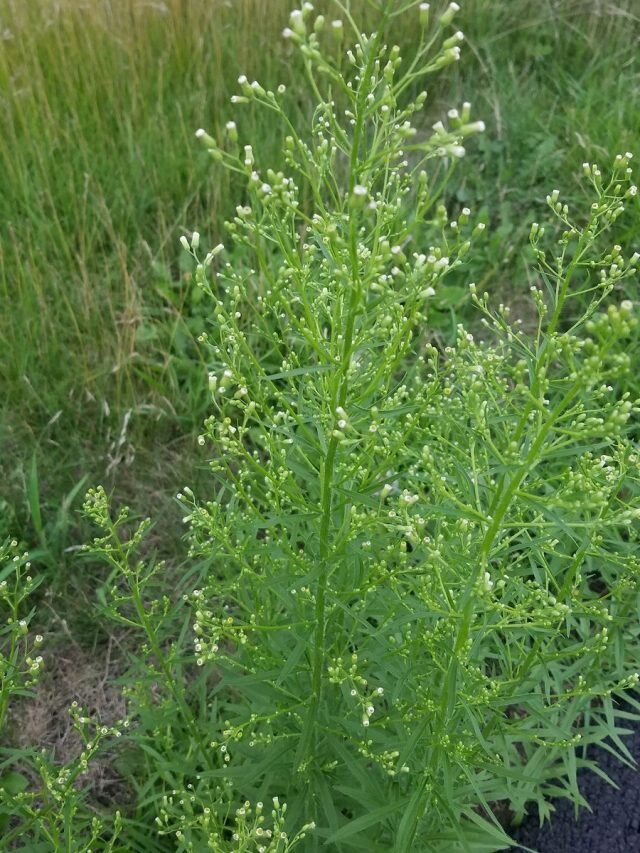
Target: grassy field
(100,175)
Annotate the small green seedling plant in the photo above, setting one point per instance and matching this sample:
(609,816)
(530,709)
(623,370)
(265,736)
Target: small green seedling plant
(418,562)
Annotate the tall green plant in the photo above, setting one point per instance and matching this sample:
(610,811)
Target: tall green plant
(423,560)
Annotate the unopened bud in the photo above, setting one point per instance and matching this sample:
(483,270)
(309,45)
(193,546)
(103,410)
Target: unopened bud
(473,127)
(454,40)
(204,136)
(359,195)
(297,22)
(449,14)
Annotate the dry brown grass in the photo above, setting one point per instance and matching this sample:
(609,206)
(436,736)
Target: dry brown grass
(42,721)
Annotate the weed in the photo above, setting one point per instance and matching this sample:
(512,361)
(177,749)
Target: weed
(421,560)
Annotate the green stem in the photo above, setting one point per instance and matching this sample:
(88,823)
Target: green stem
(338,398)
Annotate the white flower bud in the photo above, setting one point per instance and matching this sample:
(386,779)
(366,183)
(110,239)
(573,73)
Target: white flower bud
(296,20)
(449,14)
(359,195)
(453,40)
(204,136)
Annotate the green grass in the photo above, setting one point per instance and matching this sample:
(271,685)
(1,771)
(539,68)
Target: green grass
(100,174)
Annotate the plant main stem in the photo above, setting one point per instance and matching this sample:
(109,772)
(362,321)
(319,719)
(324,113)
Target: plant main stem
(339,399)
